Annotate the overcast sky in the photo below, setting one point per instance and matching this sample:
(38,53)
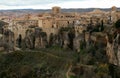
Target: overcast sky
(47,4)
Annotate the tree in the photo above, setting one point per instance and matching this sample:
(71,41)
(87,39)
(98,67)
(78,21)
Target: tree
(117,24)
(71,36)
(102,26)
(19,40)
(51,39)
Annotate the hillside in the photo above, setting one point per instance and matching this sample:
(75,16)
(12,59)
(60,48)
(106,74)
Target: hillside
(36,11)
(33,64)
(55,62)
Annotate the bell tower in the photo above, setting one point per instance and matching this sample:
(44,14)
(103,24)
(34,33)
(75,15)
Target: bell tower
(114,8)
(56,9)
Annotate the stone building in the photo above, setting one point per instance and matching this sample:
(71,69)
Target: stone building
(56,10)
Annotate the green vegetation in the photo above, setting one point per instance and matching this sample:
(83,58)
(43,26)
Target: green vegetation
(33,64)
(73,77)
(117,24)
(60,52)
(65,29)
(93,62)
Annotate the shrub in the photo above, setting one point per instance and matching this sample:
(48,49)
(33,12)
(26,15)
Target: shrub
(117,24)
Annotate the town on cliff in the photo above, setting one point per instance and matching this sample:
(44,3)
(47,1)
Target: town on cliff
(94,31)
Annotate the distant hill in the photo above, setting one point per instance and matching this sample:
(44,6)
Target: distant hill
(35,11)
(84,9)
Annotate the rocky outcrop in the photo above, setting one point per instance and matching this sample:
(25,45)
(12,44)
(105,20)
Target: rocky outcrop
(7,40)
(117,44)
(1,48)
(29,39)
(118,55)
(111,54)
(113,50)
(35,38)
(65,40)
(77,42)
(41,40)
(1,36)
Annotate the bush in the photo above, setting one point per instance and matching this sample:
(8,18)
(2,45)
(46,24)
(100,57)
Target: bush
(117,24)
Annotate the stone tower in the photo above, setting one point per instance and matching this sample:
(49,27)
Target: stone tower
(114,8)
(56,10)
(114,14)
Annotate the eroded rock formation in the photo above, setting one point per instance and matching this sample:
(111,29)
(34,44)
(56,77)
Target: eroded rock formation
(113,49)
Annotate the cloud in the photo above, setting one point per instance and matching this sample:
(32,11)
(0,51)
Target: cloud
(21,2)
(91,4)
(47,4)
(32,2)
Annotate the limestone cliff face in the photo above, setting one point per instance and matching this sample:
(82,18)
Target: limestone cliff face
(113,50)
(1,36)
(37,42)
(65,40)
(35,39)
(29,38)
(117,48)
(118,55)
(111,54)
(77,41)
(40,41)
(7,40)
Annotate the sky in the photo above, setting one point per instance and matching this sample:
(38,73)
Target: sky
(47,4)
